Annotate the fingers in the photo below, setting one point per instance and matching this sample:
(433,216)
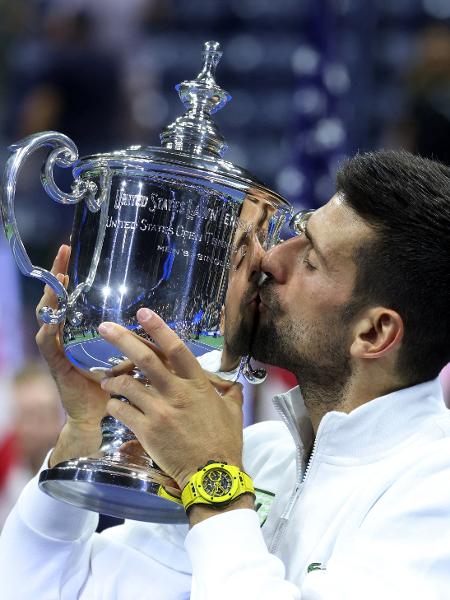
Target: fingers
(150,345)
(177,353)
(235,395)
(130,388)
(150,361)
(61,261)
(48,342)
(47,337)
(138,353)
(229,390)
(58,269)
(127,366)
(126,413)
(49,297)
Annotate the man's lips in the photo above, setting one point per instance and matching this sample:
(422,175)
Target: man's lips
(265,298)
(256,299)
(251,297)
(256,302)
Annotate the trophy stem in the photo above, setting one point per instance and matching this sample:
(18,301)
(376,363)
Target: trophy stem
(119,444)
(114,435)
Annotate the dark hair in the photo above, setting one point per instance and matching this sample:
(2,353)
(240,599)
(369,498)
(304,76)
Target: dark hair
(405,199)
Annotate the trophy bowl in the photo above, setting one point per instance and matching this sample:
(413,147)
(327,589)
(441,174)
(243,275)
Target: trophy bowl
(174,228)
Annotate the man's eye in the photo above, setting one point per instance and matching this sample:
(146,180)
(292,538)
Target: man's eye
(309,266)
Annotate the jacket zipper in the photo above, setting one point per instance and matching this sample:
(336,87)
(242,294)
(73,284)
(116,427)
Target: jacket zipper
(310,460)
(285,516)
(283,520)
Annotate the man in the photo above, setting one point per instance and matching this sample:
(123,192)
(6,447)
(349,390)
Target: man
(356,306)
(37,421)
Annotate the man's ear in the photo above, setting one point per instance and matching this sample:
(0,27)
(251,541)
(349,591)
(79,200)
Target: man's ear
(379,331)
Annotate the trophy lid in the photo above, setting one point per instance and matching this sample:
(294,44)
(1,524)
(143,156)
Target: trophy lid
(192,144)
(195,132)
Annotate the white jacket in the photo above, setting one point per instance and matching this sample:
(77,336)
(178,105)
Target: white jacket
(369,519)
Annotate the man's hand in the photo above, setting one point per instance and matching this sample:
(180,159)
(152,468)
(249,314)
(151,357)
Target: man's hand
(185,417)
(83,399)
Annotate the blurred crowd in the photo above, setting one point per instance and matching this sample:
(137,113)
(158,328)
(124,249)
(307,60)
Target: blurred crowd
(312,82)
(36,420)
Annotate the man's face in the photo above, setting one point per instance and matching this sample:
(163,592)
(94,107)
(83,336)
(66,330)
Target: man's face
(302,324)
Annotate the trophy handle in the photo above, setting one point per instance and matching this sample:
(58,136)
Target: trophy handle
(250,374)
(63,153)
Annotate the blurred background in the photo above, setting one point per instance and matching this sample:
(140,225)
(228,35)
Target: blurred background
(312,82)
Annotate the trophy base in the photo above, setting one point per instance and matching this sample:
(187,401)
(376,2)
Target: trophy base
(110,489)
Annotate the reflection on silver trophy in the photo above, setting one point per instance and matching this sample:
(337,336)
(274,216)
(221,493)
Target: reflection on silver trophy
(174,228)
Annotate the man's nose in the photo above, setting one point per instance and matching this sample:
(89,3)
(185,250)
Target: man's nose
(277,261)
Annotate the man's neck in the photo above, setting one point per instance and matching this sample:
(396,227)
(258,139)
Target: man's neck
(354,393)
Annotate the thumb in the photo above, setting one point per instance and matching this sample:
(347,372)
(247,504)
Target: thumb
(231,390)
(235,394)
(218,382)
(221,385)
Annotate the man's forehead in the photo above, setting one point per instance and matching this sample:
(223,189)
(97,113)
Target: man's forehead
(337,229)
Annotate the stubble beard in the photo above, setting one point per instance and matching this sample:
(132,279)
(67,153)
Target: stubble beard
(317,354)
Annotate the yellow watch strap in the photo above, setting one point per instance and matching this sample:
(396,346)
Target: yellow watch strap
(165,494)
(248,482)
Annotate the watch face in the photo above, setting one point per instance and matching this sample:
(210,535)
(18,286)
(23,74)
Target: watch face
(217,483)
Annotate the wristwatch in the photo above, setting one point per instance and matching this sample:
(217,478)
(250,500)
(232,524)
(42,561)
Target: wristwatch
(216,484)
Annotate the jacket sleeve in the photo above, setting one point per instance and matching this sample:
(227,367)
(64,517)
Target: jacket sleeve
(49,550)
(228,555)
(399,549)
(45,547)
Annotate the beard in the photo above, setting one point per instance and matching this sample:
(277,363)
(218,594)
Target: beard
(316,353)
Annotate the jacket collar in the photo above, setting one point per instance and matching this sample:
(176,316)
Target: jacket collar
(371,430)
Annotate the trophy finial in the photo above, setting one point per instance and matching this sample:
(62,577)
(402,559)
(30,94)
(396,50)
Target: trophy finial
(195,132)
(211,56)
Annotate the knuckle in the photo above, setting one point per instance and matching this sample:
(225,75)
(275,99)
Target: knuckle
(175,349)
(39,337)
(157,323)
(124,382)
(179,401)
(161,417)
(42,336)
(106,385)
(116,408)
(146,359)
(123,367)
(237,391)
(119,384)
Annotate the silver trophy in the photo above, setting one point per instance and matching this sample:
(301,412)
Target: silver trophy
(174,228)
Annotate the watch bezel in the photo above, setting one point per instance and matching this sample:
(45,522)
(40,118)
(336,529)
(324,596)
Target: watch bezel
(218,499)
